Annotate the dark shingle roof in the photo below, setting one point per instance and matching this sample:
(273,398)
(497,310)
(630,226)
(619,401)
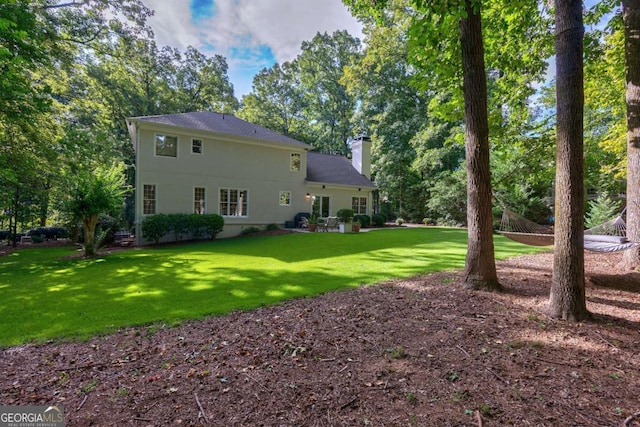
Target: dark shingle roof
(220,123)
(330,169)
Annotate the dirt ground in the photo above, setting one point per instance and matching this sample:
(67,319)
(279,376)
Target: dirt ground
(419,352)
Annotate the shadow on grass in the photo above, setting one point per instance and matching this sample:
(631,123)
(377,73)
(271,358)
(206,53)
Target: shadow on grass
(47,297)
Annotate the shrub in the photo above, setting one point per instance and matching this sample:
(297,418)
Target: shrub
(364,220)
(345,215)
(272,227)
(49,233)
(37,238)
(601,210)
(399,221)
(178,223)
(214,224)
(195,225)
(250,230)
(379,220)
(4,234)
(155,227)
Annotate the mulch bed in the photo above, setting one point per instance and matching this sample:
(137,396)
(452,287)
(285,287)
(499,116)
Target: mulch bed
(419,352)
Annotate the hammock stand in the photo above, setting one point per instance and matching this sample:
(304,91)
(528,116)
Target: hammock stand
(610,236)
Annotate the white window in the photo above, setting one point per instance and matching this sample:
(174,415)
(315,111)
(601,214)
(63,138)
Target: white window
(198,200)
(359,205)
(148,199)
(295,161)
(234,202)
(166,145)
(285,198)
(196,146)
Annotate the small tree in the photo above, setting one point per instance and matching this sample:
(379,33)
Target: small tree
(94,192)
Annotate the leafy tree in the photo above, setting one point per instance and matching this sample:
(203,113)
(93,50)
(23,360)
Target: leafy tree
(631,15)
(94,192)
(601,210)
(276,101)
(567,298)
(329,108)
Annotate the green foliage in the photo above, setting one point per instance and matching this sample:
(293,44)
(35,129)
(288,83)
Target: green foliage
(345,215)
(272,226)
(379,220)
(364,220)
(155,227)
(601,210)
(250,230)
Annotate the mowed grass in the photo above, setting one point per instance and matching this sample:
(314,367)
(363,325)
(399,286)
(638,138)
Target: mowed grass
(44,295)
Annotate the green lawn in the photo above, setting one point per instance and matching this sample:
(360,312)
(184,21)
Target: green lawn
(44,296)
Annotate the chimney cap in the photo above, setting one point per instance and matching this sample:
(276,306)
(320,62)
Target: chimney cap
(362,137)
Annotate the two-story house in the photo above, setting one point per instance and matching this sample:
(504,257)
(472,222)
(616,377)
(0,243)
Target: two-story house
(208,162)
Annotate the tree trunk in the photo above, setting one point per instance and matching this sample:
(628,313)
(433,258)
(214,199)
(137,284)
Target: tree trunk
(567,299)
(480,267)
(631,16)
(89,224)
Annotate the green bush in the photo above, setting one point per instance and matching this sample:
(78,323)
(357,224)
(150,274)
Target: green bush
(214,224)
(155,227)
(345,215)
(250,230)
(272,227)
(379,220)
(601,210)
(179,225)
(37,238)
(364,220)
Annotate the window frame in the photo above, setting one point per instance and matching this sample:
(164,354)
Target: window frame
(146,200)
(229,203)
(157,139)
(201,147)
(199,206)
(357,206)
(295,166)
(287,198)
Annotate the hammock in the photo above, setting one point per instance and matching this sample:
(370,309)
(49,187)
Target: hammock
(610,236)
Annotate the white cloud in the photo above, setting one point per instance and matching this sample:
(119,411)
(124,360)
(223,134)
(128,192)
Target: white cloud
(240,30)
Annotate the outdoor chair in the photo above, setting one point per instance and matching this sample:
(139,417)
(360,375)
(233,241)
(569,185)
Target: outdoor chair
(329,223)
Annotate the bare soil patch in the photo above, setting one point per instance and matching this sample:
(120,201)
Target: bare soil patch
(419,352)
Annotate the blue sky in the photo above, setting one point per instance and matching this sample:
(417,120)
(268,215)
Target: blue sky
(251,34)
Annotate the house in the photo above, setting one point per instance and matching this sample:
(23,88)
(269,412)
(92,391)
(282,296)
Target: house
(208,162)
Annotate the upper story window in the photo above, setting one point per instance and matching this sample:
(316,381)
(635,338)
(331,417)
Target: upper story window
(196,146)
(166,145)
(359,205)
(295,161)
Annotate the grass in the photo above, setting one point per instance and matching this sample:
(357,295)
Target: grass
(44,295)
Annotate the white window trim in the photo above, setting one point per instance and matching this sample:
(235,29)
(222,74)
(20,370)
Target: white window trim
(155,190)
(194,199)
(291,169)
(280,197)
(244,214)
(155,146)
(201,146)
(366,206)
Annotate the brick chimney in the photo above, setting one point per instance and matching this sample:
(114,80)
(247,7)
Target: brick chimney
(361,155)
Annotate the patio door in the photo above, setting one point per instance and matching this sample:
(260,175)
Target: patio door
(324,203)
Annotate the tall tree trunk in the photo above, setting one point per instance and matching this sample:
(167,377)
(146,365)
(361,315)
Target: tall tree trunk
(480,267)
(89,224)
(631,16)
(567,299)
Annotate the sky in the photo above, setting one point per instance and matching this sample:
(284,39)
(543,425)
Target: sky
(250,34)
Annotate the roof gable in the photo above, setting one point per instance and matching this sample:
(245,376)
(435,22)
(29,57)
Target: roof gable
(221,123)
